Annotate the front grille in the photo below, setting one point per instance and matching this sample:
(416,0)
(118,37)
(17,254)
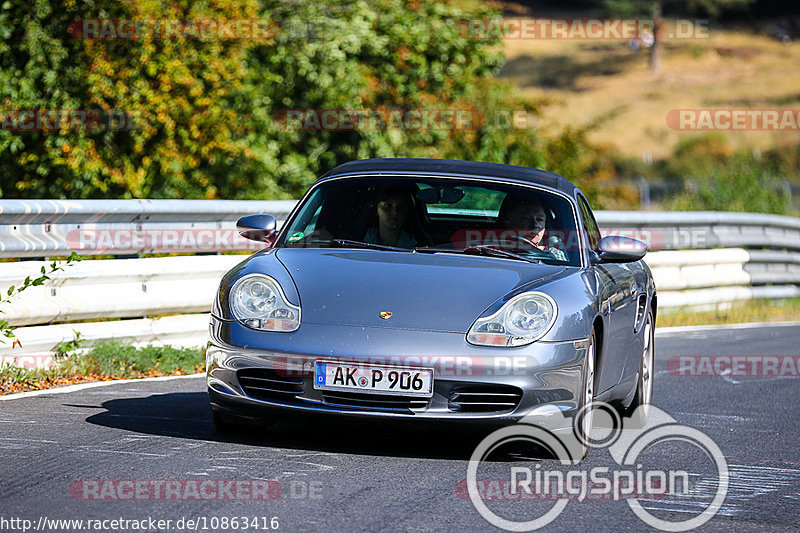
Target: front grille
(266,384)
(484,398)
(382,402)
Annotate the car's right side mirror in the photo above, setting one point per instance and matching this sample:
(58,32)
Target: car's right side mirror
(257,228)
(618,249)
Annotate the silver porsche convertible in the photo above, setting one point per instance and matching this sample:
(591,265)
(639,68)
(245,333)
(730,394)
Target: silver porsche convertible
(426,289)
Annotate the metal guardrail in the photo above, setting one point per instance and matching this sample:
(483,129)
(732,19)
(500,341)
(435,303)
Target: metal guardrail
(42,228)
(723,257)
(119,288)
(698,258)
(699,278)
(706,229)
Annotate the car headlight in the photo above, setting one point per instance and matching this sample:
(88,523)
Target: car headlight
(522,320)
(257,301)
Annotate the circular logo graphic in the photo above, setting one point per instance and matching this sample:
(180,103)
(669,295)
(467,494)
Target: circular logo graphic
(609,431)
(363,381)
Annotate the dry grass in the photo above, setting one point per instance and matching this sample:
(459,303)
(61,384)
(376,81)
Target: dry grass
(751,311)
(604,82)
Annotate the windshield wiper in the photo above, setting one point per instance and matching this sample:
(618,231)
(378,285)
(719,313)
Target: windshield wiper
(369,245)
(479,250)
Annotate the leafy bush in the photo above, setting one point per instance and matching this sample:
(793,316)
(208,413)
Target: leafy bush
(743,184)
(117,359)
(175,90)
(207,108)
(103,361)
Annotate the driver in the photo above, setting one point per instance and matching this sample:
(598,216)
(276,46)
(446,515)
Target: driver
(526,214)
(392,212)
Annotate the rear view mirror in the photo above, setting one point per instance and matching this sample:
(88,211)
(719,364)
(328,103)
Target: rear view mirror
(450,195)
(618,249)
(428,196)
(258,228)
(445,195)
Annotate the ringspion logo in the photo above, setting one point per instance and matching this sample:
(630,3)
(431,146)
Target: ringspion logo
(546,489)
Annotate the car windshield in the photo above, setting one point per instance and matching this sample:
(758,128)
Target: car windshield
(437,215)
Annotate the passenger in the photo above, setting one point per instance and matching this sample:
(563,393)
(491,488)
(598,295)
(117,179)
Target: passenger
(524,214)
(392,212)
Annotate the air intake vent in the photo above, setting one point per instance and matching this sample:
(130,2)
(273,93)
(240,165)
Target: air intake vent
(484,398)
(382,402)
(266,384)
(641,310)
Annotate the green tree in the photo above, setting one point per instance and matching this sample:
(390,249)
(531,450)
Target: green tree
(379,56)
(742,185)
(210,110)
(176,89)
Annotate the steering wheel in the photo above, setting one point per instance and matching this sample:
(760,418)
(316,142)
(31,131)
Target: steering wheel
(530,246)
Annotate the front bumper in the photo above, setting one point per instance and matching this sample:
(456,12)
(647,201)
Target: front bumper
(257,373)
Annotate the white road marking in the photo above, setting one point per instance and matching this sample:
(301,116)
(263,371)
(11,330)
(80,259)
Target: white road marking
(704,416)
(684,329)
(91,449)
(40,441)
(746,482)
(83,386)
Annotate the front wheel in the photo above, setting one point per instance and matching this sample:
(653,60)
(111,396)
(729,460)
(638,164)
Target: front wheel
(583,423)
(644,385)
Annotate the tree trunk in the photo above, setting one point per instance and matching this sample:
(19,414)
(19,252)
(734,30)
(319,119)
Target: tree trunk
(655,50)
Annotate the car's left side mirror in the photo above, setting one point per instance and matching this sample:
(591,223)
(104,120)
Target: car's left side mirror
(258,228)
(618,249)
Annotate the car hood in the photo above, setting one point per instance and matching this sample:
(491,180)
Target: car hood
(441,292)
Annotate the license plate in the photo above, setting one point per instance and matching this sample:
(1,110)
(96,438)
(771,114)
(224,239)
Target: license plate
(376,379)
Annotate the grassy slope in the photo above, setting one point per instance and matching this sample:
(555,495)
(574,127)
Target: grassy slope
(589,81)
(752,311)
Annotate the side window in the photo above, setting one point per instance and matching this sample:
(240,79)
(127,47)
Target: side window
(589,223)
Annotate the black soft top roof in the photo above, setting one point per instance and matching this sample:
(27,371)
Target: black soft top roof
(453,167)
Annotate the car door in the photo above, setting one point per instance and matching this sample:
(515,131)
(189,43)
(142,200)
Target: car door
(617,305)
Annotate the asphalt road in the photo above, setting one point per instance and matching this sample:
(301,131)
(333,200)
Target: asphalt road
(336,476)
